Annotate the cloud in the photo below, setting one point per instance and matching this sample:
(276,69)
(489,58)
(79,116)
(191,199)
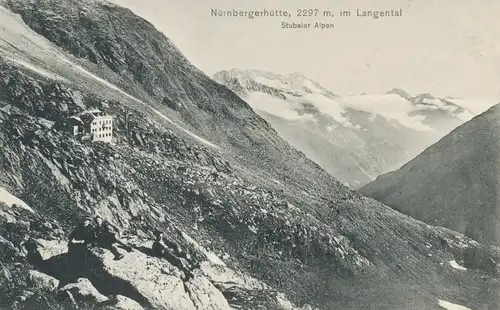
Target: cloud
(390,107)
(278,107)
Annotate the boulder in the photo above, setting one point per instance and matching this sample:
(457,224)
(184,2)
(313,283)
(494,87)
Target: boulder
(51,248)
(42,282)
(123,303)
(204,295)
(156,283)
(84,291)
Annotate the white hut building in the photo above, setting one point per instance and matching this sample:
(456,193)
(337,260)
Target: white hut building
(98,125)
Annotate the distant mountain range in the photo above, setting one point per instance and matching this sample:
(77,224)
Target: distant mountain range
(354,138)
(454,183)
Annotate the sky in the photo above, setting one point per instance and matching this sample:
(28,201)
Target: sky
(442,47)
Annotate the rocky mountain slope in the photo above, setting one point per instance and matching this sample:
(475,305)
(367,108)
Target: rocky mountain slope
(353,138)
(133,56)
(453,183)
(269,228)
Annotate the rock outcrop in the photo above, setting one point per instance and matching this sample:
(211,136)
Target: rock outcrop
(83,291)
(42,282)
(123,303)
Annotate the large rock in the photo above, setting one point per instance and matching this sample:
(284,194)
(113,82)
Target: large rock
(51,248)
(124,303)
(42,282)
(84,291)
(156,283)
(205,296)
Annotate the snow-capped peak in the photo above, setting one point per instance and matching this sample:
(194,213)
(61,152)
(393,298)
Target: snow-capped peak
(285,96)
(293,84)
(461,108)
(326,127)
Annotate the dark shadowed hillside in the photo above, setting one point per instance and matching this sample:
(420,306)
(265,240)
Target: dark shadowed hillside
(454,183)
(268,227)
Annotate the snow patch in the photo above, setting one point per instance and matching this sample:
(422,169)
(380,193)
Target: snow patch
(12,201)
(455,265)
(451,306)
